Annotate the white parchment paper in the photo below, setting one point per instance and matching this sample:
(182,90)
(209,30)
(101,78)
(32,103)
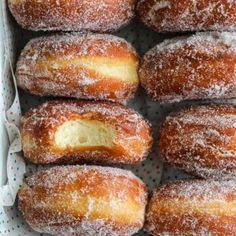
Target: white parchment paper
(11,118)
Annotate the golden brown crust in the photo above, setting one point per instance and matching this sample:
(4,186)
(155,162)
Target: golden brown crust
(201,140)
(188,15)
(130,143)
(195,207)
(73,15)
(91,66)
(201,66)
(84,200)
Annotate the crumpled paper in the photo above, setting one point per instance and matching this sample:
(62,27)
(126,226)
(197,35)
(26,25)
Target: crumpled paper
(15,164)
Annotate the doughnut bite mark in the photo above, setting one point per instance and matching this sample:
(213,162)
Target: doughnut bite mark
(91,66)
(84,200)
(201,140)
(201,66)
(188,15)
(73,15)
(195,207)
(84,131)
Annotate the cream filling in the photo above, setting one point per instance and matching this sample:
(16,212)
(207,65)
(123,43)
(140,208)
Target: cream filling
(85,133)
(123,69)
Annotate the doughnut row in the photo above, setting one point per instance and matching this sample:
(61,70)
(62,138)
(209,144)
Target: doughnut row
(81,200)
(91,200)
(105,67)
(104,16)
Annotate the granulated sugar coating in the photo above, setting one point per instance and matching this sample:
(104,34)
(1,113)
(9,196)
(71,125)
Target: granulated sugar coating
(80,65)
(188,15)
(193,207)
(201,140)
(84,200)
(73,15)
(130,142)
(201,66)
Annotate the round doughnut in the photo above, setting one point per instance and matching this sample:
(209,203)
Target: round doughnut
(91,66)
(188,15)
(201,140)
(195,207)
(201,66)
(72,15)
(84,131)
(84,200)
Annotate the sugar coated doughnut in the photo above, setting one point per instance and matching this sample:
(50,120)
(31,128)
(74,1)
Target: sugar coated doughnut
(201,66)
(84,200)
(91,66)
(84,131)
(188,15)
(195,207)
(201,140)
(72,15)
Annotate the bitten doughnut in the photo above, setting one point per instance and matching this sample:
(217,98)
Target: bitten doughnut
(201,66)
(91,66)
(188,15)
(72,15)
(84,200)
(201,140)
(84,131)
(195,207)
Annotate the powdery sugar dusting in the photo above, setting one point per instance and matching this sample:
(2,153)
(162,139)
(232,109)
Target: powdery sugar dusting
(195,195)
(75,80)
(201,140)
(73,15)
(50,115)
(196,67)
(61,223)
